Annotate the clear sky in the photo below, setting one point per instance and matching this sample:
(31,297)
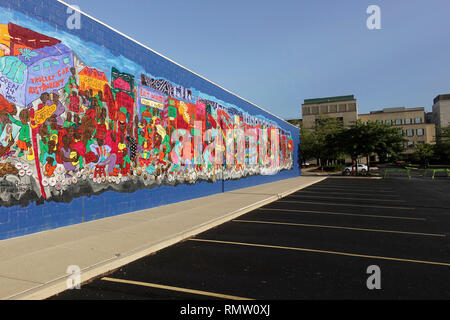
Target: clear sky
(278,53)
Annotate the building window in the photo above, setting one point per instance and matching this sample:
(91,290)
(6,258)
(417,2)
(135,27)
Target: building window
(380,121)
(410,144)
(398,121)
(351,107)
(418,120)
(306,111)
(388,122)
(324,109)
(318,122)
(342,107)
(315,110)
(333,108)
(408,121)
(410,133)
(420,132)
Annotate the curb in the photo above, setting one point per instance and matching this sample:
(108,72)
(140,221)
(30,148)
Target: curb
(56,286)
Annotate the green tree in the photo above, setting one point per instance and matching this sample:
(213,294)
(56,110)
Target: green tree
(352,142)
(319,143)
(388,141)
(442,148)
(307,144)
(370,138)
(423,153)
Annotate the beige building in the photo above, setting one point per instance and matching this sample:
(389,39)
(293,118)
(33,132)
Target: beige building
(441,110)
(344,108)
(417,126)
(411,120)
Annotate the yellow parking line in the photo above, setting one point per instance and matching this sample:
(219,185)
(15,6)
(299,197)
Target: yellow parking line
(339,227)
(351,189)
(323,251)
(159,286)
(348,205)
(343,214)
(338,198)
(349,193)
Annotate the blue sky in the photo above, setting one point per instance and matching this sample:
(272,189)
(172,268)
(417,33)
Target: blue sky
(278,53)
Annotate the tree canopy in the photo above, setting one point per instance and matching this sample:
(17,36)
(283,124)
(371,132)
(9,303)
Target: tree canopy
(329,140)
(442,148)
(319,143)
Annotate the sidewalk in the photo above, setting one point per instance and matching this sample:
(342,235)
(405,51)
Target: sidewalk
(34,266)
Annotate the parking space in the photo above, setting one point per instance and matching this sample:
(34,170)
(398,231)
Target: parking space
(316,243)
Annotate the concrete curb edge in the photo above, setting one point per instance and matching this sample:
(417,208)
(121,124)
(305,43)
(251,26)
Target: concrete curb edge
(56,286)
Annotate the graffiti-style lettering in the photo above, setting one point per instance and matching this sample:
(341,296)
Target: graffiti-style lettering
(68,127)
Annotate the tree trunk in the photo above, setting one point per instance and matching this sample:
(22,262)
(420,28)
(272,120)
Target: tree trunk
(368,163)
(353,165)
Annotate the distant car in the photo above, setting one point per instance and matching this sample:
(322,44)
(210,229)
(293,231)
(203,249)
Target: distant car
(362,169)
(305,164)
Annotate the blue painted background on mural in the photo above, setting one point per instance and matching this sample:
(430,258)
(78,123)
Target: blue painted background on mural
(17,221)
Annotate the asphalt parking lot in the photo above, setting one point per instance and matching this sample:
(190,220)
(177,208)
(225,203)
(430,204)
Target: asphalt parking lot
(316,243)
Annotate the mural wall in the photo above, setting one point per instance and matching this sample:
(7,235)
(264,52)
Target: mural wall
(77,119)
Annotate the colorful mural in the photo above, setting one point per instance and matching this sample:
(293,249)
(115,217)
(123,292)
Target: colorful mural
(70,127)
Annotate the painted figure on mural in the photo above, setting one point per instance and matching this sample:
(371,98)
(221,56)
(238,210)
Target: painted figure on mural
(74,102)
(49,159)
(72,83)
(5,151)
(60,109)
(69,156)
(104,156)
(45,100)
(106,127)
(24,141)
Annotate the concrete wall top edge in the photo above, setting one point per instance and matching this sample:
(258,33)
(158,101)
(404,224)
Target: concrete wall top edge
(170,60)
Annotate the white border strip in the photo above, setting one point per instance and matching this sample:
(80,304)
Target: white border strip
(161,55)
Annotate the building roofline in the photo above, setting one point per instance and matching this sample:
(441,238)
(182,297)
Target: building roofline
(394,110)
(441,97)
(329,99)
